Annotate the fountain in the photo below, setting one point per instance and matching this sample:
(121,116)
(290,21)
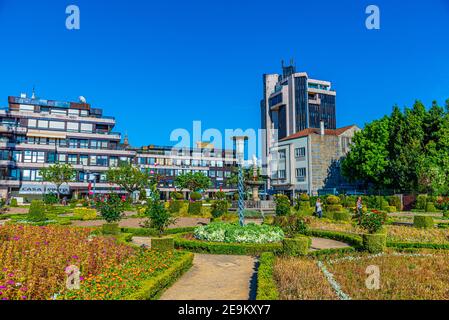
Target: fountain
(255,183)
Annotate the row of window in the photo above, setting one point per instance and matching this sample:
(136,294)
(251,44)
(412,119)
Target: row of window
(178,172)
(70,112)
(299,173)
(180,162)
(61,125)
(69,143)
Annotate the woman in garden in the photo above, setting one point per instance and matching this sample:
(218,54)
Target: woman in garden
(318,208)
(359,207)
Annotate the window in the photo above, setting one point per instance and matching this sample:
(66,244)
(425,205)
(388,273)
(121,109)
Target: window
(94,144)
(17,156)
(282,174)
(281,154)
(26,108)
(62,158)
(73,159)
(300,172)
(93,160)
(51,157)
(186,162)
(32,123)
(212,173)
(42,124)
(84,144)
(104,144)
(34,157)
(142,161)
(58,111)
(102,161)
(220,164)
(31,175)
(300,152)
(74,112)
(73,143)
(63,143)
(113,162)
(57,125)
(212,163)
(151,161)
(228,174)
(52,141)
(84,113)
(169,162)
(73,126)
(84,160)
(219,174)
(195,163)
(87,127)
(160,161)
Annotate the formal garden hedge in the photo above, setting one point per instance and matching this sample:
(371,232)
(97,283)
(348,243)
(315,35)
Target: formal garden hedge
(266,285)
(353,239)
(249,249)
(425,222)
(153,288)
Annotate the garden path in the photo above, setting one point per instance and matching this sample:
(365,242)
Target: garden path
(215,277)
(321,244)
(136,222)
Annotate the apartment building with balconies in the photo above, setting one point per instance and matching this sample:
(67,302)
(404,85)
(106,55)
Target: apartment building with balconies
(36,133)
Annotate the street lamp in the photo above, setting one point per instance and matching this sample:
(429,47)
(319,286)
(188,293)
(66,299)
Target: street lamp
(240,153)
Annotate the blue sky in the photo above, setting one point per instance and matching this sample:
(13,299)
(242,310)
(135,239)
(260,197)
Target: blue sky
(159,65)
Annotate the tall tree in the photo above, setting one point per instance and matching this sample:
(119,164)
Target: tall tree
(58,174)
(130,178)
(193,181)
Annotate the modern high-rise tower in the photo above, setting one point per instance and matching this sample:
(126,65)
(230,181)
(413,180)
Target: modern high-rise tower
(291,103)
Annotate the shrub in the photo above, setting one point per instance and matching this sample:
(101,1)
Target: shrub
(50,198)
(298,246)
(195,196)
(303,203)
(176,195)
(219,208)
(220,195)
(159,217)
(13,203)
(235,196)
(372,222)
(374,243)
(430,207)
(195,208)
(334,207)
(390,209)
(174,206)
(304,197)
(291,225)
(349,201)
(424,222)
(111,209)
(395,201)
(332,200)
(342,216)
(234,233)
(36,212)
(282,205)
(162,244)
(85,214)
(421,202)
(266,285)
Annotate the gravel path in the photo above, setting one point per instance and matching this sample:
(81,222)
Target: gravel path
(215,277)
(135,222)
(321,243)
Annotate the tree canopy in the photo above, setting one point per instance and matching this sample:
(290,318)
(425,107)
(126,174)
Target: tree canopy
(58,174)
(406,151)
(129,177)
(193,181)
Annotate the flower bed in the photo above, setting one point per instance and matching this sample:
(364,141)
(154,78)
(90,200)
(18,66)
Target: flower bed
(233,233)
(33,259)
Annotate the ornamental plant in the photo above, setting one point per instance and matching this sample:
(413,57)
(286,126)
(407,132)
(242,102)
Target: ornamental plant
(36,213)
(111,209)
(372,222)
(283,207)
(219,208)
(159,217)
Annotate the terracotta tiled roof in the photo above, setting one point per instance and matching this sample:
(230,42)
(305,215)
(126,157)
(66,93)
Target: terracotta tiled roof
(309,131)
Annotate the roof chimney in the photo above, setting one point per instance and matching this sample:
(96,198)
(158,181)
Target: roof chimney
(322,132)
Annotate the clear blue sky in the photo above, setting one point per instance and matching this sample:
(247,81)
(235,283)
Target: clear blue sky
(159,65)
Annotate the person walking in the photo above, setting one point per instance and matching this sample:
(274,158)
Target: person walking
(319,208)
(359,207)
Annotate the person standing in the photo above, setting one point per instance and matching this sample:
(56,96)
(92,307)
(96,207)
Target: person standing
(319,208)
(359,207)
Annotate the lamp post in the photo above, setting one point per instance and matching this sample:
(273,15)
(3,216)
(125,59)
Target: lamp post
(240,153)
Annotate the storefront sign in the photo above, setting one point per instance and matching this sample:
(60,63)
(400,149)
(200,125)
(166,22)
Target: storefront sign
(39,189)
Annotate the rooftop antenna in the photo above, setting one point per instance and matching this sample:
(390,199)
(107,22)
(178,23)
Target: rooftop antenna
(282,62)
(33,96)
(292,61)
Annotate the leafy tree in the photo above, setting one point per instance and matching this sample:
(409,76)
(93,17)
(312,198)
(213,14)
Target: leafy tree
(193,181)
(130,178)
(58,174)
(111,209)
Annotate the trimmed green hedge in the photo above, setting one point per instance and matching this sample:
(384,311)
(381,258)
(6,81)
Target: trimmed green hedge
(298,246)
(162,244)
(148,232)
(417,245)
(250,249)
(349,238)
(110,228)
(266,286)
(342,216)
(424,222)
(153,288)
(374,243)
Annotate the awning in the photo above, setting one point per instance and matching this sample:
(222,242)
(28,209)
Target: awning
(46,134)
